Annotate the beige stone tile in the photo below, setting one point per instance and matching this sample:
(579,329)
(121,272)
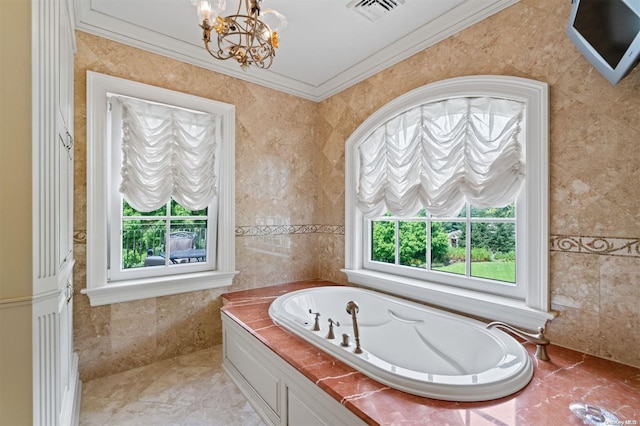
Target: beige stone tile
(618,103)
(98,411)
(98,323)
(619,337)
(187,322)
(334,192)
(141,413)
(527,38)
(620,309)
(570,200)
(575,329)
(224,395)
(133,328)
(190,389)
(95,355)
(332,110)
(575,281)
(284,186)
(180,385)
(579,208)
(619,340)
(85,56)
(206,416)
(334,148)
(580,133)
(620,285)
(560,8)
(209,357)
(274,259)
(125,386)
(332,258)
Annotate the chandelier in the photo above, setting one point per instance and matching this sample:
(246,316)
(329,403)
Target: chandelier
(250,37)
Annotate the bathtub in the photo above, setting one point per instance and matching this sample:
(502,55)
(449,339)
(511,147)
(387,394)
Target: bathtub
(409,346)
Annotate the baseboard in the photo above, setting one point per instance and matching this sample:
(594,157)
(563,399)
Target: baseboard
(70,410)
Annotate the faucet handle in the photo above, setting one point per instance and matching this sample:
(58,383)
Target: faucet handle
(331,335)
(345,340)
(316,324)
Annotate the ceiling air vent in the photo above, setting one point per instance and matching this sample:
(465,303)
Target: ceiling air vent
(374,9)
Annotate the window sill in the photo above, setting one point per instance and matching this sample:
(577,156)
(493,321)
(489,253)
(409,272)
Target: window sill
(488,306)
(126,291)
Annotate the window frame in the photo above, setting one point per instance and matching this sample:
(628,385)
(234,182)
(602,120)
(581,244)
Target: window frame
(532,310)
(100,290)
(115,272)
(513,290)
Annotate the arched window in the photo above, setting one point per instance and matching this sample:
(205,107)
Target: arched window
(447,198)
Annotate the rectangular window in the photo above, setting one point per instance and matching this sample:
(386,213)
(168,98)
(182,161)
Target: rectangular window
(160,191)
(169,240)
(169,236)
(477,244)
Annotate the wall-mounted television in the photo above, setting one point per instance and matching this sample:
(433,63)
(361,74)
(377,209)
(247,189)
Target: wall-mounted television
(607,33)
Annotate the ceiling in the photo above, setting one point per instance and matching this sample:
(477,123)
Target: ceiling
(325,48)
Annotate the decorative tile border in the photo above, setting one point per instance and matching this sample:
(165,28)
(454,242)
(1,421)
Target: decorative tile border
(611,246)
(608,246)
(262,230)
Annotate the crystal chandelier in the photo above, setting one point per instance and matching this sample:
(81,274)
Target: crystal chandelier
(250,37)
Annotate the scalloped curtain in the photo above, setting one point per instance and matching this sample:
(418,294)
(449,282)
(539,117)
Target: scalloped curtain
(441,155)
(167,153)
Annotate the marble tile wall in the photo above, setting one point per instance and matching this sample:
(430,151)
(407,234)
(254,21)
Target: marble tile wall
(290,185)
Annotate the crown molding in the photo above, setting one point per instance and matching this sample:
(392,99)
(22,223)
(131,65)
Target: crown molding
(467,14)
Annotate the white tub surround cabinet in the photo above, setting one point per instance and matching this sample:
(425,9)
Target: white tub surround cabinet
(56,386)
(280,394)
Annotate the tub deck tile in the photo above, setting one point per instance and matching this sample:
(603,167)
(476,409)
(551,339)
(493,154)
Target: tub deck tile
(569,377)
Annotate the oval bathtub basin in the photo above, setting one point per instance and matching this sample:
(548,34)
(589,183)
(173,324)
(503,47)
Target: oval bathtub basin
(409,346)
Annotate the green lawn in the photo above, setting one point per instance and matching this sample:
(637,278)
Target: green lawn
(501,271)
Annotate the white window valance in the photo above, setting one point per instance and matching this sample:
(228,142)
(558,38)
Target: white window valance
(167,153)
(440,155)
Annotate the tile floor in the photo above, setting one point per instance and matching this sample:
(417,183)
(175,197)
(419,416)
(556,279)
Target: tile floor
(187,390)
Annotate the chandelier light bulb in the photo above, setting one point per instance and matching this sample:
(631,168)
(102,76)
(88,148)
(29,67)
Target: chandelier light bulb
(219,6)
(275,20)
(209,11)
(204,10)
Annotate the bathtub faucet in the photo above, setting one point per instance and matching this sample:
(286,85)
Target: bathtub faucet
(331,334)
(538,339)
(316,324)
(352,309)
